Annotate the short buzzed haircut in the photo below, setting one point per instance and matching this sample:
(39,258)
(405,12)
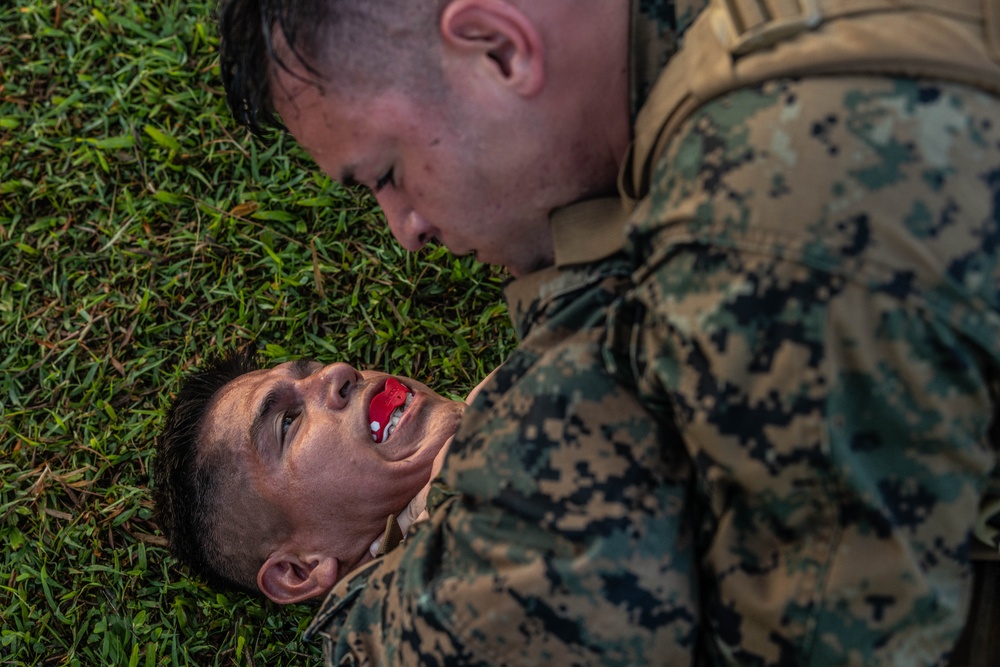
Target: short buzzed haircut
(188,487)
(376,44)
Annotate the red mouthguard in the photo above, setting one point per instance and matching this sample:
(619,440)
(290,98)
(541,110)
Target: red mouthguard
(390,398)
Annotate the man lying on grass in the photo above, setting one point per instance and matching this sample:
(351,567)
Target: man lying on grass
(280,480)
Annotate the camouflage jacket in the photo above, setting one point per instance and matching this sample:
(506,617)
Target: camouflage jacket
(816,306)
(563,539)
(807,307)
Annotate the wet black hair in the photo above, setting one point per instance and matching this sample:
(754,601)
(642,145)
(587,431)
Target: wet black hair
(372,43)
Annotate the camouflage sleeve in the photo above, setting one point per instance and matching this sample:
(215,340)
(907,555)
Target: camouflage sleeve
(565,540)
(818,307)
(988,524)
(987,528)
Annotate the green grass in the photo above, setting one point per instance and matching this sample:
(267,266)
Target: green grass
(139,229)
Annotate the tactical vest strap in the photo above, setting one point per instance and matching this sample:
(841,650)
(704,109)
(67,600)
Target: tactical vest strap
(991,15)
(757,24)
(739,43)
(761,23)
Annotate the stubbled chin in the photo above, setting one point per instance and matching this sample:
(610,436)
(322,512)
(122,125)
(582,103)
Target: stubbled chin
(421,440)
(416,454)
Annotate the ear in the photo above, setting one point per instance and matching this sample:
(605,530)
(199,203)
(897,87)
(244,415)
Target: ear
(286,578)
(499,37)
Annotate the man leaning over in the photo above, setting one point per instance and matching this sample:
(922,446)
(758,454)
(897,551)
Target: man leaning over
(804,297)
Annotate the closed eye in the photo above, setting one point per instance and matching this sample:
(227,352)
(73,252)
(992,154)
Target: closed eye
(385,180)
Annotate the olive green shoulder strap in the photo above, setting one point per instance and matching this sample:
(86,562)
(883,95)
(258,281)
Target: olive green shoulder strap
(739,43)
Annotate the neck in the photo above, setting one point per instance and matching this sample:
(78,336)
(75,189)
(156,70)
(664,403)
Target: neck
(589,77)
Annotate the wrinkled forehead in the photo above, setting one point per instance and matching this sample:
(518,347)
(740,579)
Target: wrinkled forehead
(225,447)
(230,416)
(226,425)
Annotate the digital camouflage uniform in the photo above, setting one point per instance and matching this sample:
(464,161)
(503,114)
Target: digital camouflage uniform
(816,305)
(564,537)
(807,306)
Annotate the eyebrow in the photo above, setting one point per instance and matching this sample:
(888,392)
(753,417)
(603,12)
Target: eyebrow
(300,369)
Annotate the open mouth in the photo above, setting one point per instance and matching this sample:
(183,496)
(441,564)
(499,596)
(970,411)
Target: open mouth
(387,409)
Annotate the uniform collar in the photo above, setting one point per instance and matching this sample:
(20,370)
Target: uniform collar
(343,594)
(582,233)
(592,230)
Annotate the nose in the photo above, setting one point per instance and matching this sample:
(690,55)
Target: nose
(409,227)
(334,385)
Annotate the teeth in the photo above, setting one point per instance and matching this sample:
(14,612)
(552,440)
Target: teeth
(396,415)
(394,418)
